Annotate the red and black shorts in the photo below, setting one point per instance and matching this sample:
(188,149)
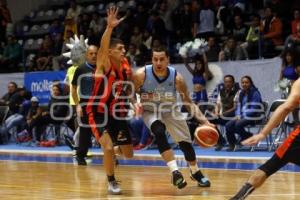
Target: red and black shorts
(288,152)
(117,129)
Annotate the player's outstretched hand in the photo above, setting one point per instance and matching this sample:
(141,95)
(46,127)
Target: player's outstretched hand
(253,140)
(112,20)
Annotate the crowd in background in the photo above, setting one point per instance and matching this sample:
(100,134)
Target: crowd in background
(234,29)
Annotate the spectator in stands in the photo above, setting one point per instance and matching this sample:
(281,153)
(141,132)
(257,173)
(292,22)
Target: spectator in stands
(289,69)
(35,111)
(239,29)
(74,10)
(97,23)
(248,101)
(55,29)
(156,26)
(165,10)
(141,16)
(253,38)
(11,90)
(45,55)
(93,39)
(183,23)
(204,22)
(136,37)
(57,109)
(17,112)
(296,21)
(201,74)
(12,55)
(213,51)
(147,40)
(70,26)
(293,41)
(133,56)
(272,32)
(5,19)
(232,51)
(84,24)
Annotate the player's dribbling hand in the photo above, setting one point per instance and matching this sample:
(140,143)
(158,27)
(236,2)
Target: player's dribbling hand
(209,124)
(253,140)
(138,110)
(112,20)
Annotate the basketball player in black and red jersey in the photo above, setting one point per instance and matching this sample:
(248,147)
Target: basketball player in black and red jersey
(287,152)
(106,108)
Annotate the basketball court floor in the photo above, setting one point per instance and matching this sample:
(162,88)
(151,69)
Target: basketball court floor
(49,173)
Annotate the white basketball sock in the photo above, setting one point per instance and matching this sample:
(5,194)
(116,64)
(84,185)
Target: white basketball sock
(172,165)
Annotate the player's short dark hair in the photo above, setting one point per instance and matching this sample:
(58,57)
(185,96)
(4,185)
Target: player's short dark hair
(161,48)
(114,42)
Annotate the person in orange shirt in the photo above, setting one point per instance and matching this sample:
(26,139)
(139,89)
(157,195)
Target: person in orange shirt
(271,30)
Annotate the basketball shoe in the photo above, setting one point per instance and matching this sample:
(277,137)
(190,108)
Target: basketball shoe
(114,188)
(178,180)
(202,180)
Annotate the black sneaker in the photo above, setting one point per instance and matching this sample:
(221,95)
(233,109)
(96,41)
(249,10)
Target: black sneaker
(231,148)
(202,180)
(219,147)
(80,161)
(178,180)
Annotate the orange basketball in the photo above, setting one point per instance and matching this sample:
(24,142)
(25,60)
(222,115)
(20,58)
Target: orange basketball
(206,136)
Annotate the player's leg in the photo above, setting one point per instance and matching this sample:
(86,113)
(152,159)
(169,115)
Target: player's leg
(259,177)
(180,133)
(159,131)
(287,152)
(190,157)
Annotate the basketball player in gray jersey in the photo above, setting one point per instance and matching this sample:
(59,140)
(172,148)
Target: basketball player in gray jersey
(158,86)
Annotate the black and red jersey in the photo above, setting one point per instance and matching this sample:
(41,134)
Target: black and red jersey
(109,91)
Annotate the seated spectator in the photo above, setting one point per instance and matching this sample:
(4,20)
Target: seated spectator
(183,23)
(133,56)
(253,38)
(12,55)
(213,51)
(97,24)
(293,41)
(45,55)
(204,23)
(55,29)
(84,24)
(272,31)
(239,29)
(17,112)
(74,10)
(156,26)
(296,21)
(232,51)
(225,108)
(5,19)
(136,37)
(11,90)
(248,100)
(57,109)
(70,26)
(93,39)
(59,61)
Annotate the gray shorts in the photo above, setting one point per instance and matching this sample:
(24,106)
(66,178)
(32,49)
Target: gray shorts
(175,123)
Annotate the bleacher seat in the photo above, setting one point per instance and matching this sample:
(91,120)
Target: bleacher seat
(60,12)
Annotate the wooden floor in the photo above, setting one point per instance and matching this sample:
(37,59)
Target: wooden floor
(25,180)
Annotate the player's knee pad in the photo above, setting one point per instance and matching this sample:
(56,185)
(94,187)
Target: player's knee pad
(188,151)
(159,131)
